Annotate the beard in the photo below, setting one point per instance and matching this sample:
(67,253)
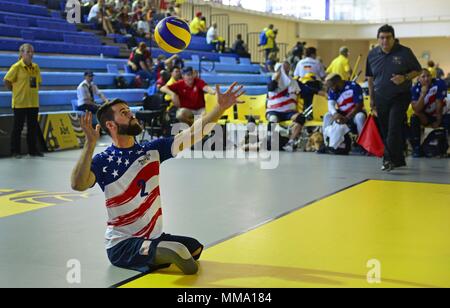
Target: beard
(130,129)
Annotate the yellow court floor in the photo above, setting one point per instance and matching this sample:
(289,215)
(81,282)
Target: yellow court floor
(402,228)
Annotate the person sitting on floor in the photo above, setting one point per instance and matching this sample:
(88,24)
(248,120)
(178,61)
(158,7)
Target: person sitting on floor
(282,103)
(345,103)
(428,100)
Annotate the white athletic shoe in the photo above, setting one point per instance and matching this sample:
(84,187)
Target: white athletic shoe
(289,147)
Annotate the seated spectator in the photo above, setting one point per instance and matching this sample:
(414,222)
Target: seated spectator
(122,21)
(108,16)
(86,92)
(439,72)
(447,81)
(163,64)
(213,38)
(143,27)
(282,103)
(188,95)
(310,65)
(345,104)
(95,14)
(428,99)
(141,62)
(240,48)
(196,26)
(432,69)
(175,77)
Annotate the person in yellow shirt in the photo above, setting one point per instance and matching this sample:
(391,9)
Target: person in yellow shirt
(432,69)
(197,26)
(175,76)
(270,45)
(341,65)
(24,79)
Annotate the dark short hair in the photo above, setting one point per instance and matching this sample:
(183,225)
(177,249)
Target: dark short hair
(188,70)
(310,51)
(386,29)
(334,79)
(105,113)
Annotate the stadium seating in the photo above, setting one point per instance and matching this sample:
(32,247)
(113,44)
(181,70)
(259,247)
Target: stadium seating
(61,100)
(11,44)
(74,79)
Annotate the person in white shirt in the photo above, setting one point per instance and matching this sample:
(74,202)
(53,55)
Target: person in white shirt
(86,92)
(212,38)
(310,65)
(95,12)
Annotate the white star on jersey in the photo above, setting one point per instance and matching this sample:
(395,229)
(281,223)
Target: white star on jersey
(110,159)
(115,173)
(119,161)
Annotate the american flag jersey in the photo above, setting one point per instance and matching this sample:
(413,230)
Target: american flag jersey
(437,91)
(347,99)
(130,181)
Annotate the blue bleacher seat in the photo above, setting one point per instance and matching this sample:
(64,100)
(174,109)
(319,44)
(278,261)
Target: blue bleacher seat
(12,44)
(17,21)
(62,100)
(74,79)
(112,69)
(24,8)
(227,60)
(240,78)
(245,61)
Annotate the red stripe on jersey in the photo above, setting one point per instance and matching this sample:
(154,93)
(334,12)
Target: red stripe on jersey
(145,232)
(133,189)
(281,94)
(431,99)
(288,102)
(346,101)
(138,213)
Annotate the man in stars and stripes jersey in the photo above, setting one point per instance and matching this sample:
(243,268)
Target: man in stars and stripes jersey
(428,101)
(128,173)
(345,103)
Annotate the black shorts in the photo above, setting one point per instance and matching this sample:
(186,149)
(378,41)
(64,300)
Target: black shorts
(129,254)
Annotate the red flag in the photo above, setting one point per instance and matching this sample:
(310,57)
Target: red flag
(370,138)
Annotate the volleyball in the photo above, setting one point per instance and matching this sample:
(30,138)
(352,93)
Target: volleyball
(172,34)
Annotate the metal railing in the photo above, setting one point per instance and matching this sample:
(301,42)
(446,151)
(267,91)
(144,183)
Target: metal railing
(234,30)
(256,51)
(222,20)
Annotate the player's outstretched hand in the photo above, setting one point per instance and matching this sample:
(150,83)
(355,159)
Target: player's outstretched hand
(230,97)
(92,135)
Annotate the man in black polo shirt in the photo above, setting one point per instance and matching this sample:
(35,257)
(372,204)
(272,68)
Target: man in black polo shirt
(390,70)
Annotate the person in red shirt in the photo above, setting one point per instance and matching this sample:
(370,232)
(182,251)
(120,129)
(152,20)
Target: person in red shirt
(188,95)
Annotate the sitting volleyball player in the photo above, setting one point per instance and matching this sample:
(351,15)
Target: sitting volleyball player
(428,99)
(345,103)
(282,103)
(128,173)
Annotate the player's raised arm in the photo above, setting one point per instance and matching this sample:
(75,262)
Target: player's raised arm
(200,128)
(82,176)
